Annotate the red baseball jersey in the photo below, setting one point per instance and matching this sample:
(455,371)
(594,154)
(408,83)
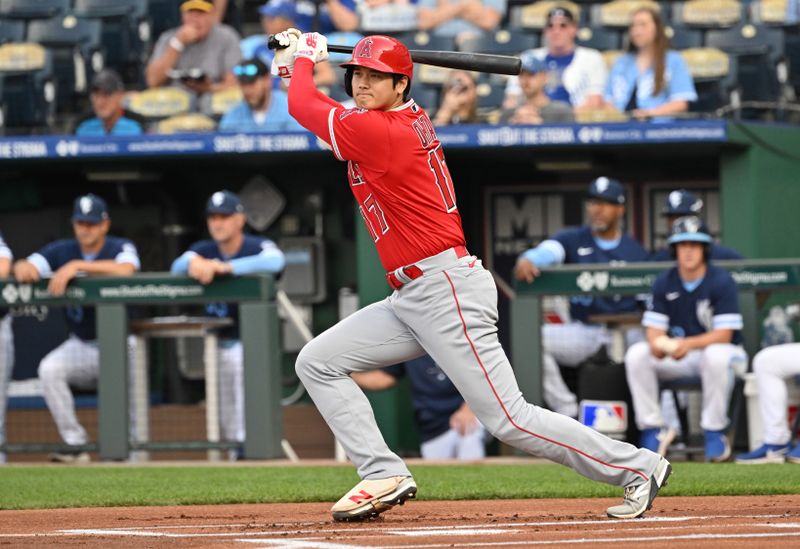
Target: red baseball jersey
(397,172)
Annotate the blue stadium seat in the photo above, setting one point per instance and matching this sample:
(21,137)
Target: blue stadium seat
(599,38)
(426,95)
(164,14)
(11,30)
(490,94)
(27,99)
(426,41)
(77,54)
(126,33)
(715,78)
(502,42)
(759,54)
(681,37)
(33,9)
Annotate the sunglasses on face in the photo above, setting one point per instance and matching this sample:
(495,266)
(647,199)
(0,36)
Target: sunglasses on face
(245,70)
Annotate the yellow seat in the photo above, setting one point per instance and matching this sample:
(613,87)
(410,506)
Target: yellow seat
(619,12)
(706,62)
(224,100)
(186,123)
(22,56)
(534,16)
(160,102)
(771,12)
(606,114)
(711,13)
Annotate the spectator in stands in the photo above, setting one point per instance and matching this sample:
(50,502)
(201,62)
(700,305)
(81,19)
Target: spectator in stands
(230,252)
(650,81)
(327,16)
(278,16)
(199,55)
(384,16)
(537,108)
(460,19)
(774,366)
(109,117)
(6,345)
(76,362)
(693,330)
(680,203)
(263,109)
(447,427)
(575,75)
(459,100)
(603,240)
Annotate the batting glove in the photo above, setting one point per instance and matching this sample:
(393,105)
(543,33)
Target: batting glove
(283,62)
(312,45)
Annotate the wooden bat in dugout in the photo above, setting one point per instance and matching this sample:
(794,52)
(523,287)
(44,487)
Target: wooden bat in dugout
(480,62)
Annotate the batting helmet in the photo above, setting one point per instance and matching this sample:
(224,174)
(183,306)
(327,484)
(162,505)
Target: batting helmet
(682,202)
(690,228)
(380,53)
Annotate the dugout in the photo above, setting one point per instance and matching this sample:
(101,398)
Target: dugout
(514,186)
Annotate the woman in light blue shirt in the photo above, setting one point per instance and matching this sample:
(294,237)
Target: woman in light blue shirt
(650,81)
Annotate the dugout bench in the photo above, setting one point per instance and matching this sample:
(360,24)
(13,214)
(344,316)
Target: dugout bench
(259,328)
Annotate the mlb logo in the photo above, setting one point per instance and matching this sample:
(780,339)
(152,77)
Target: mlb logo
(606,416)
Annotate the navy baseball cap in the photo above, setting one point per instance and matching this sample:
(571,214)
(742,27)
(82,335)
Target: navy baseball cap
(89,208)
(682,202)
(608,190)
(532,64)
(225,203)
(279,8)
(689,228)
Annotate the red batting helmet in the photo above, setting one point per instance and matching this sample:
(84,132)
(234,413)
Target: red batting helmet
(380,53)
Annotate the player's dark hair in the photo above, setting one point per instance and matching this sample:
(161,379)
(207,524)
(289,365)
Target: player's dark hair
(348,82)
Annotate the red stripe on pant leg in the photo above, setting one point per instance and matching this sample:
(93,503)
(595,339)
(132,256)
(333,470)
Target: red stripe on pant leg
(505,411)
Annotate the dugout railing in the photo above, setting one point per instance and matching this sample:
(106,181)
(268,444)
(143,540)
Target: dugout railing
(259,331)
(757,280)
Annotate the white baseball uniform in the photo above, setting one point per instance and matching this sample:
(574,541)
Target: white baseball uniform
(774,368)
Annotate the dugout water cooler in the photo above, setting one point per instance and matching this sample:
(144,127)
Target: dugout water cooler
(754,427)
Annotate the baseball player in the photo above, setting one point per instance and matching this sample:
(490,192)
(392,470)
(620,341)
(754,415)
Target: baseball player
(603,240)
(773,367)
(77,361)
(448,429)
(229,252)
(444,303)
(692,326)
(681,203)
(6,345)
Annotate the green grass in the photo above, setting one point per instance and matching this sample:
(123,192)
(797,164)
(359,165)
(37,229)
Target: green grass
(50,487)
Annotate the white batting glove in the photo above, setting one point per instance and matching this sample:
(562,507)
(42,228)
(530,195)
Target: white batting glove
(283,62)
(312,45)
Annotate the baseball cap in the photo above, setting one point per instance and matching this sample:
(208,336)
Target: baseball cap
(108,81)
(532,64)
(250,69)
(682,202)
(561,11)
(89,208)
(608,190)
(224,202)
(279,8)
(201,5)
(689,228)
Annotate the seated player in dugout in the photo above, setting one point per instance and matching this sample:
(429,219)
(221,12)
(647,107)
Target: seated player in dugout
(602,240)
(229,252)
(681,202)
(693,328)
(444,302)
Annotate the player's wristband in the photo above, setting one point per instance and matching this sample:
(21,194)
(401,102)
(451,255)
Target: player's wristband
(176,44)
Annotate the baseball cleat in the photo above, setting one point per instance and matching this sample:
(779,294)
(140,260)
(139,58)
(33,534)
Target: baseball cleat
(639,499)
(657,439)
(794,454)
(766,453)
(717,447)
(70,456)
(369,498)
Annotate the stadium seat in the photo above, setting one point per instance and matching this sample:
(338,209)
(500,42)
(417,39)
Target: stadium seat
(77,54)
(681,37)
(533,17)
(594,116)
(427,96)
(773,13)
(502,42)
(29,10)
(164,14)
(11,30)
(599,38)
(714,75)
(768,12)
(186,123)
(431,74)
(28,88)
(707,13)
(156,104)
(126,33)
(218,103)
(490,95)
(425,41)
(617,14)
(760,58)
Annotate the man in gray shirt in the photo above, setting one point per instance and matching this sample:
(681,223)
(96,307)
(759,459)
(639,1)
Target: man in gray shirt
(199,55)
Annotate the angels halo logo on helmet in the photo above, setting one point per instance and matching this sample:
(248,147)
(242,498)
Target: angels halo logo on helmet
(382,54)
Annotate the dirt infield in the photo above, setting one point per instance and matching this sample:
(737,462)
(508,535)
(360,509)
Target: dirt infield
(707,522)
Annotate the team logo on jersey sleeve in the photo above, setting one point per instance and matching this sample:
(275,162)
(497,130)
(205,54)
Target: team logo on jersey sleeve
(347,112)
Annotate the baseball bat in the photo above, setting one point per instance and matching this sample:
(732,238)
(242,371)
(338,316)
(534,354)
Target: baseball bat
(481,62)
